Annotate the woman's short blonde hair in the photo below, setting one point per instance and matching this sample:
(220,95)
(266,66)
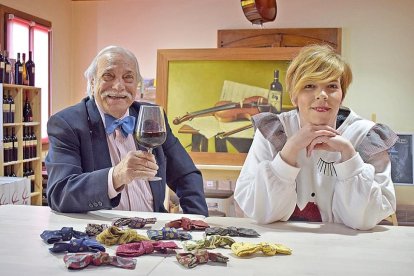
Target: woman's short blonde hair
(317,63)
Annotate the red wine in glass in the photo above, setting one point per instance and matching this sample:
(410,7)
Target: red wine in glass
(151,139)
(263,105)
(150,131)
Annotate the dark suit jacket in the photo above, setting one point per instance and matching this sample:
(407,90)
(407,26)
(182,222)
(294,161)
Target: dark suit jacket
(78,163)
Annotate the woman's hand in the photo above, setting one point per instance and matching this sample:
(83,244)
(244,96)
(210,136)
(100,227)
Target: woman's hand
(303,139)
(137,164)
(335,144)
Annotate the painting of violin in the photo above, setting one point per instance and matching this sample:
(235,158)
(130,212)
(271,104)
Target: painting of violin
(210,98)
(227,111)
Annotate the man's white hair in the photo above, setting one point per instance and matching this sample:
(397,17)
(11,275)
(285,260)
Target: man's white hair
(90,73)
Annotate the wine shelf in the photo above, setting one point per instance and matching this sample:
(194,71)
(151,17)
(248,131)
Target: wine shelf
(19,93)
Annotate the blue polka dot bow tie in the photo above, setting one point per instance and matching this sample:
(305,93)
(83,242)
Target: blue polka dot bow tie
(127,124)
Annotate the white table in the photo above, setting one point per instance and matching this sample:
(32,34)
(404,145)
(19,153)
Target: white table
(318,249)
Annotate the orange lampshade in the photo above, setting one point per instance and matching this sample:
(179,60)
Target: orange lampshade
(259,11)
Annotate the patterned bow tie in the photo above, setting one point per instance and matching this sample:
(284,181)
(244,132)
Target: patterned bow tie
(200,256)
(127,124)
(82,260)
(65,234)
(187,224)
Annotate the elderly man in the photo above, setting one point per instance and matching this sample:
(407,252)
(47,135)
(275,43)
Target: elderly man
(91,168)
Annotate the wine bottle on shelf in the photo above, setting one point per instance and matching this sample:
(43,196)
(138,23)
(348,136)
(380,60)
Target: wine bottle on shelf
(18,71)
(29,143)
(12,174)
(31,171)
(7,146)
(7,68)
(30,70)
(27,111)
(2,66)
(5,109)
(24,71)
(275,94)
(9,171)
(10,147)
(4,141)
(15,145)
(34,143)
(25,169)
(24,143)
(25,155)
(12,108)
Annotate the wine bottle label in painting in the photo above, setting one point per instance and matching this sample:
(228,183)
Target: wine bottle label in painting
(275,101)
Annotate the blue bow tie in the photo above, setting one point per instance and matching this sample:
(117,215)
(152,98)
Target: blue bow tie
(127,124)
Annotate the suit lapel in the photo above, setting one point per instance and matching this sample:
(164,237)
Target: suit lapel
(100,149)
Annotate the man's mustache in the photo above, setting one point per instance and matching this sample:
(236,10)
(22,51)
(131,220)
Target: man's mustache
(116,94)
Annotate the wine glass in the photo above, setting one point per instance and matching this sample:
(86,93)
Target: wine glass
(150,131)
(263,105)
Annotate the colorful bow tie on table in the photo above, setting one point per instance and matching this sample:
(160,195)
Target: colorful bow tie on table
(168,233)
(65,234)
(77,245)
(188,224)
(114,235)
(136,249)
(232,231)
(82,260)
(209,243)
(200,256)
(93,229)
(127,124)
(242,249)
(134,222)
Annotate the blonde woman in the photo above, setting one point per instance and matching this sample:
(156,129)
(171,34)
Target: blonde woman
(321,161)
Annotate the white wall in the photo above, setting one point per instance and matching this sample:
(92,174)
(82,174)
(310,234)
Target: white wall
(378,38)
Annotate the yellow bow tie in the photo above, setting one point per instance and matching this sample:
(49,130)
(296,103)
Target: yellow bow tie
(242,249)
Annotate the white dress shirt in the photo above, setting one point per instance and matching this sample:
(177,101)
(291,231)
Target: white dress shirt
(137,195)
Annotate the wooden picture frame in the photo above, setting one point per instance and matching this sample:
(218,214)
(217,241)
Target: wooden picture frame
(280,37)
(170,74)
(402,159)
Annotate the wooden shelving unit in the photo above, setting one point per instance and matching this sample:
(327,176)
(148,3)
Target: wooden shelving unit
(19,94)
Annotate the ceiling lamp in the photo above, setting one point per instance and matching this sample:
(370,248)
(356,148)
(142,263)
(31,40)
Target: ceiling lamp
(259,11)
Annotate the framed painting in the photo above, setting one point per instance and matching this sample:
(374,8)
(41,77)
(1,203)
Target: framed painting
(209,96)
(402,162)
